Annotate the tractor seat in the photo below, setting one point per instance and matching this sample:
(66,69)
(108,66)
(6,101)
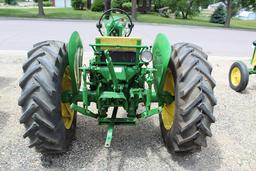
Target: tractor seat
(254,43)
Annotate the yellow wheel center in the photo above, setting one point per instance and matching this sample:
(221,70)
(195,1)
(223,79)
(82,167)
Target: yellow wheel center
(66,112)
(168,111)
(235,76)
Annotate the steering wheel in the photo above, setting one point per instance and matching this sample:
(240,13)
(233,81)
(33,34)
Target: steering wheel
(110,24)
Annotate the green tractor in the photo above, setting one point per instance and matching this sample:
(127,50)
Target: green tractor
(239,73)
(56,86)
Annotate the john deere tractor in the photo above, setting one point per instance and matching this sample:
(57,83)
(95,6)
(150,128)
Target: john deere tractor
(123,73)
(239,73)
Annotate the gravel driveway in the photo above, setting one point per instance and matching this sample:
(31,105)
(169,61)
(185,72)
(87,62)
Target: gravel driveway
(232,146)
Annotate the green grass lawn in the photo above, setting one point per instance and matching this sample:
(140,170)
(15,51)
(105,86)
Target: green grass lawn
(147,18)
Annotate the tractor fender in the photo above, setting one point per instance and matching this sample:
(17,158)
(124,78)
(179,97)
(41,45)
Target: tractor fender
(162,54)
(75,60)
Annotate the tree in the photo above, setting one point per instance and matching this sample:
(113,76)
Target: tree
(88,4)
(229,13)
(40,8)
(249,4)
(98,5)
(10,2)
(185,7)
(232,7)
(107,4)
(160,4)
(219,15)
(117,3)
(78,4)
(206,3)
(134,9)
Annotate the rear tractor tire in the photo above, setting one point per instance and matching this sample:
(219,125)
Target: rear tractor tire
(50,125)
(238,76)
(185,123)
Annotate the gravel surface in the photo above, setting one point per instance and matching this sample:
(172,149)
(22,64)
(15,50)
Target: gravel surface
(232,146)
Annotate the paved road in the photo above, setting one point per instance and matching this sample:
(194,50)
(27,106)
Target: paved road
(21,34)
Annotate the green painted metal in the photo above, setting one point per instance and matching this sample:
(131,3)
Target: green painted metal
(118,121)
(117,46)
(118,84)
(254,55)
(98,52)
(162,54)
(253,70)
(109,135)
(75,60)
(85,94)
(114,24)
(111,70)
(83,111)
(151,112)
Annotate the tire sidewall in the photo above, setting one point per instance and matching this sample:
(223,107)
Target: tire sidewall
(244,76)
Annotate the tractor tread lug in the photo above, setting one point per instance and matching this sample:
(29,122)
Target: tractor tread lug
(208,93)
(40,43)
(51,52)
(47,87)
(205,129)
(43,121)
(185,72)
(35,143)
(201,141)
(28,112)
(50,147)
(31,130)
(189,86)
(208,65)
(207,112)
(30,60)
(196,117)
(184,54)
(28,74)
(46,137)
(192,104)
(26,93)
(175,146)
(46,107)
(36,48)
(49,68)
(180,140)
(208,76)
(178,46)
